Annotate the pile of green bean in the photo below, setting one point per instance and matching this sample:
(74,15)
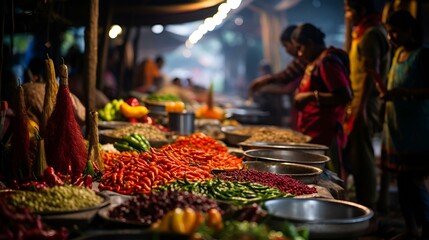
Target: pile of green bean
(57,198)
(241,193)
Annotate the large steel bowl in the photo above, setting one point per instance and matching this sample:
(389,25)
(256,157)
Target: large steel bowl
(312,159)
(234,138)
(325,218)
(303,147)
(247,116)
(303,173)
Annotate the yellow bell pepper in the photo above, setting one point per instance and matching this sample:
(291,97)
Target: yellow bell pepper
(165,223)
(178,223)
(214,219)
(133,111)
(189,218)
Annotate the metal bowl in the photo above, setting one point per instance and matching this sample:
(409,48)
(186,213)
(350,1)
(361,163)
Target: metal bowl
(325,218)
(304,147)
(312,159)
(77,218)
(112,124)
(303,173)
(237,134)
(233,138)
(155,106)
(247,116)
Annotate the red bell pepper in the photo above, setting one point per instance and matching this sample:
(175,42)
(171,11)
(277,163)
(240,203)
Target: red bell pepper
(133,102)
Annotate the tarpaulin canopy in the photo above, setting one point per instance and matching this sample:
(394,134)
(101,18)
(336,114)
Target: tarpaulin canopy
(33,14)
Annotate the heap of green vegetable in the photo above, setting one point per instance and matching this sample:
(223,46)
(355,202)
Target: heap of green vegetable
(240,193)
(163,98)
(134,143)
(111,111)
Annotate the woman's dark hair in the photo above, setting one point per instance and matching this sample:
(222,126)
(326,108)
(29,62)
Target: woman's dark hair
(308,32)
(287,34)
(403,20)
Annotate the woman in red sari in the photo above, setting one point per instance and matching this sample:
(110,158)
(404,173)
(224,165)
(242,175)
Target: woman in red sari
(324,91)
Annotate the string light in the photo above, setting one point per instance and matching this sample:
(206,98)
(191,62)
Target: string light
(210,23)
(114,31)
(157,29)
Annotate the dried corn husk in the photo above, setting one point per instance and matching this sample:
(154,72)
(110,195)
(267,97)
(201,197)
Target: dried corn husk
(51,90)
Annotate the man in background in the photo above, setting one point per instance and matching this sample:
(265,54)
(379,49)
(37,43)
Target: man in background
(369,63)
(148,77)
(286,81)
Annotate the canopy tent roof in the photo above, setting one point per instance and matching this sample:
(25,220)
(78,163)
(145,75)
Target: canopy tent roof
(34,15)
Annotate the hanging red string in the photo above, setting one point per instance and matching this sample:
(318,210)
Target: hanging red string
(65,145)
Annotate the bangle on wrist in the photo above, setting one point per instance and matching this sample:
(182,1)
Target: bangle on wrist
(316,97)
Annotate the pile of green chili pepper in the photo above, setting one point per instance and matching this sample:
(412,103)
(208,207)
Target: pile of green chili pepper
(134,143)
(240,193)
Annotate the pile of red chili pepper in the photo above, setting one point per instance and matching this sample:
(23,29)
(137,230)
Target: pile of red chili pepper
(51,178)
(130,172)
(199,141)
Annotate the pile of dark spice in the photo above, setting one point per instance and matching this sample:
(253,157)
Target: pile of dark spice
(284,183)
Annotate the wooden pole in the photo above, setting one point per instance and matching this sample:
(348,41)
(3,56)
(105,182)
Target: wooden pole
(348,34)
(91,50)
(104,44)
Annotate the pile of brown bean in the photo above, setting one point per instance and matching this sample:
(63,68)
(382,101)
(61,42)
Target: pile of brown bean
(277,135)
(285,183)
(149,131)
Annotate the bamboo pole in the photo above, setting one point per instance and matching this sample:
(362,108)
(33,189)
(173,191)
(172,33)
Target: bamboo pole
(91,50)
(103,55)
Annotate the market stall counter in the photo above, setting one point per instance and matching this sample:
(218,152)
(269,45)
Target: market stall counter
(190,188)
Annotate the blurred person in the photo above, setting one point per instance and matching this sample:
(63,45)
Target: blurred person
(323,93)
(369,63)
(265,68)
(34,92)
(269,97)
(405,147)
(110,76)
(35,70)
(288,78)
(75,61)
(163,79)
(148,77)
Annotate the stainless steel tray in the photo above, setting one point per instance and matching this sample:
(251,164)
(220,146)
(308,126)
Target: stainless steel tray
(303,147)
(325,218)
(278,155)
